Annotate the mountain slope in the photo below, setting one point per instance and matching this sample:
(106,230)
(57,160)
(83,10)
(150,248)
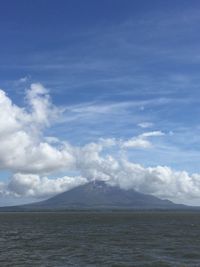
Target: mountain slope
(99,195)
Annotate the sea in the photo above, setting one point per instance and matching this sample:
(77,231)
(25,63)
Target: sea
(58,239)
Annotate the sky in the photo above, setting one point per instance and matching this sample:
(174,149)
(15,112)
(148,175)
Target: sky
(106,90)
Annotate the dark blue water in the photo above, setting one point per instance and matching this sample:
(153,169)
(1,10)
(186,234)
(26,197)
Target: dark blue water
(100,239)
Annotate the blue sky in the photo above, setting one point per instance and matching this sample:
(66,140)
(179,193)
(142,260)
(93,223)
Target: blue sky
(117,68)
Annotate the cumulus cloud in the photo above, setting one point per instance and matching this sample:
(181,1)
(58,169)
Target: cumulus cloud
(23,148)
(31,156)
(161,181)
(35,186)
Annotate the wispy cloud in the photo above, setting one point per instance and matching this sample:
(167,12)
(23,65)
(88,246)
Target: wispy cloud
(145,124)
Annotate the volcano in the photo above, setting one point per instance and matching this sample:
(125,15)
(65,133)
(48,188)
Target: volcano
(98,195)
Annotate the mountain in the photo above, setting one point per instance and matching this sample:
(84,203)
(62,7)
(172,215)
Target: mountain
(99,195)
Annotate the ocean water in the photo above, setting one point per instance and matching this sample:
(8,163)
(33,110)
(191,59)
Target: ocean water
(100,239)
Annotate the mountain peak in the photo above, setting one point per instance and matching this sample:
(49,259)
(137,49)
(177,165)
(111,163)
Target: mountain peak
(98,194)
(98,183)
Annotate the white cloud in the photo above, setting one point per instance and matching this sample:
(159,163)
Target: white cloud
(31,156)
(23,148)
(136,143)
(161,181)
(42,110)
(141,141)
(24,79)
(35,186)
(150,134)
(145,124)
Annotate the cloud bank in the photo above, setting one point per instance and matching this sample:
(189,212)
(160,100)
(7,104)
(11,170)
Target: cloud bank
(32,157)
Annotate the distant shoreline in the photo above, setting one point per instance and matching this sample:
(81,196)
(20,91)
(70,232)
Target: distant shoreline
(11,210)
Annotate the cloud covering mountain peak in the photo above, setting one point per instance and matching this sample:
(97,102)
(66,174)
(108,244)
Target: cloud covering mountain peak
(32,157)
